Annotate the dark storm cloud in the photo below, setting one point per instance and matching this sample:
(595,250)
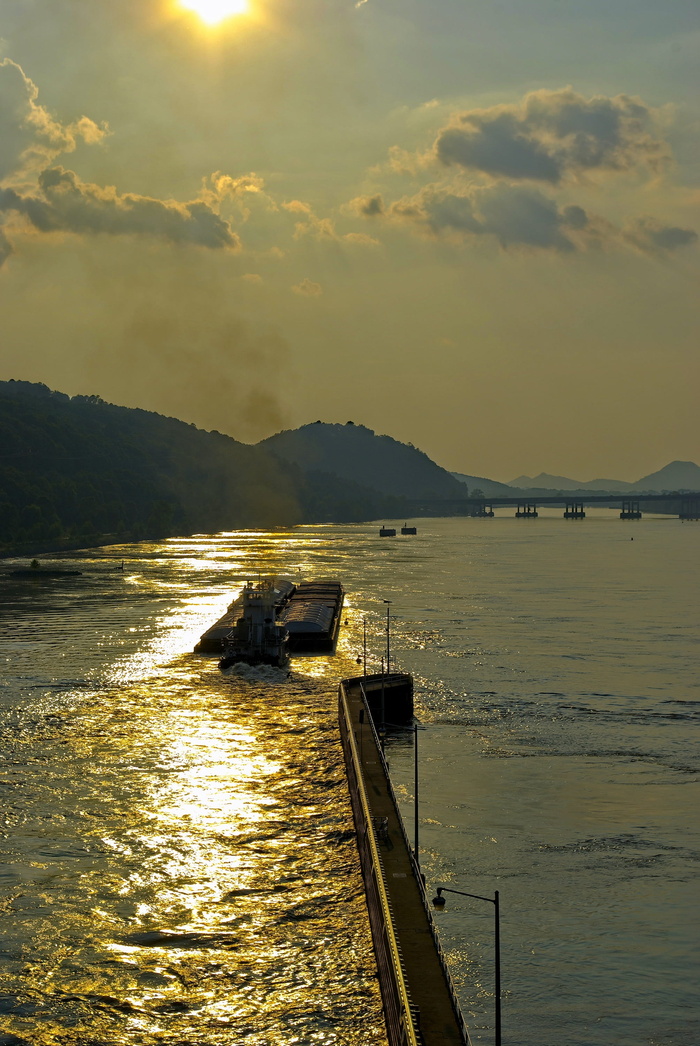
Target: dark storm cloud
(64,203)
(552,135)
(29,137)
(514,215)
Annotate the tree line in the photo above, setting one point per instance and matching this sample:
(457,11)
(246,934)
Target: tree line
(80,470)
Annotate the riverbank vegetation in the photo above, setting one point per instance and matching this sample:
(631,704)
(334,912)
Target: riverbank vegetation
(78,471)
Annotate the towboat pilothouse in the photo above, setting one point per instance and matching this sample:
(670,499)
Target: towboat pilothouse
(257,638)
(271,619)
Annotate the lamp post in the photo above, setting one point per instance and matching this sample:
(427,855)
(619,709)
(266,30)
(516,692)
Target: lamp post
(439,902)
(382,725)
(388,636)
(364,647)
(415,794)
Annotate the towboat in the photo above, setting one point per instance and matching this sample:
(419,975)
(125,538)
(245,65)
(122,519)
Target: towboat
(258,637)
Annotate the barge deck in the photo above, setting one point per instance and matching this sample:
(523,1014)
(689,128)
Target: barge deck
(310,612)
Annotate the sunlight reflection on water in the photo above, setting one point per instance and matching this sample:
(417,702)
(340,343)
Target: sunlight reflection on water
(180,863)
(183,863)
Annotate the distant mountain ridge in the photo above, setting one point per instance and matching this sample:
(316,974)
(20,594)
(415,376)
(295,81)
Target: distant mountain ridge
(491,488)
(677,475)
(545,481)
(82,471)
(357,454)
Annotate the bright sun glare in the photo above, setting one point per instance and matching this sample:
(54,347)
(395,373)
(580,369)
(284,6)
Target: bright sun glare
(213,11)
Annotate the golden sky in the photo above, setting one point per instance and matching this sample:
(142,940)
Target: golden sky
(470,226)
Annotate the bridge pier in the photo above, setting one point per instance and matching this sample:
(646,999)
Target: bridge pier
(630,510)
(574,510)
(526,510)
(690,509)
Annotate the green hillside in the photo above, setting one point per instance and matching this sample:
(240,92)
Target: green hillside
(82,471)
(356,454)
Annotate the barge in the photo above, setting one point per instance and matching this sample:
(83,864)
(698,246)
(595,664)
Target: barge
(269,621)
(312,617)
(212,641)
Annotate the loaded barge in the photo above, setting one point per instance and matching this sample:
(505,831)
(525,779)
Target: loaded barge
(270,620)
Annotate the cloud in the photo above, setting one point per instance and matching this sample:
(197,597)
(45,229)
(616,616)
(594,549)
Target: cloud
(62,202)
(361,239)
(242,191)
(218,186)
(554,135)
(308,289)
(5,248)
(655,238)
(553,138)
(310,224)
(324,228)
(367,206)
(53,199)
(517,216)
(29,137)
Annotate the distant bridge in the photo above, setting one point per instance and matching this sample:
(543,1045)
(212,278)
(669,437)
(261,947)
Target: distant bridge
(684,504)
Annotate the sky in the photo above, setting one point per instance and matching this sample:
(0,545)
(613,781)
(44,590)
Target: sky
(470,226)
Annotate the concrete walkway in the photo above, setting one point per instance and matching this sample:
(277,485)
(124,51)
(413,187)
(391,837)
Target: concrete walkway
(428,987)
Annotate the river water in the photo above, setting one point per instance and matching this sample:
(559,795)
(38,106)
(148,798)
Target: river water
(178,858)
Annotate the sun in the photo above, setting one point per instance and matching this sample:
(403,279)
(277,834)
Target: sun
(214,11)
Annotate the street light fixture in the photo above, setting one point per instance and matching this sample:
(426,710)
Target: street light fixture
(439,902)
(388,642)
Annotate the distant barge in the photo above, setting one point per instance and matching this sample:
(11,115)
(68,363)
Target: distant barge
(271,620)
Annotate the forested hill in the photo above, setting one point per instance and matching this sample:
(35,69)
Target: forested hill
(80,470)
(357,454)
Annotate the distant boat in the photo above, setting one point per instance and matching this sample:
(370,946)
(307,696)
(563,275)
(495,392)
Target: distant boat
(405,529)
(387,532)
